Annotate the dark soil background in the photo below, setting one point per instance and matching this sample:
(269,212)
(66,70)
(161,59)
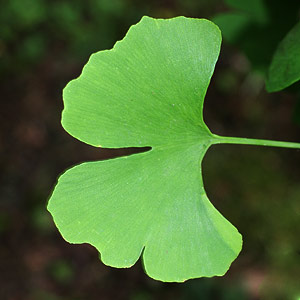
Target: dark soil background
(43,45)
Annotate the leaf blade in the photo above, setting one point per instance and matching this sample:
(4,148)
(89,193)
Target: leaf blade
(183,234)
(124,96)
(285,66)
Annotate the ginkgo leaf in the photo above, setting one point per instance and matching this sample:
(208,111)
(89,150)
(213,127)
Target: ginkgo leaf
(148,91)
(253,27)
(154,200)
(285,66)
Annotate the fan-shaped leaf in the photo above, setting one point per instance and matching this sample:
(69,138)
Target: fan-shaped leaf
(148,91)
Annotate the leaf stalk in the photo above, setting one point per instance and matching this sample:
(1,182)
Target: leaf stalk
(257,142)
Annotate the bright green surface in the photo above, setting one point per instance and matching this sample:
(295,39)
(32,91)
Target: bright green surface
(285,67)
(148,91)
(154,200)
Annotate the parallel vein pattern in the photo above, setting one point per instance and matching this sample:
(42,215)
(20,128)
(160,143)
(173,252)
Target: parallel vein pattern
(147,91)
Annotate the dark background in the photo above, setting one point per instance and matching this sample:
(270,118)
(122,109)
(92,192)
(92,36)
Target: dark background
(43,45)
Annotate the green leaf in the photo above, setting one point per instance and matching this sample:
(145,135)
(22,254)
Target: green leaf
(148,91)
(26,13)
(252,23)
(285,66)
(134,94)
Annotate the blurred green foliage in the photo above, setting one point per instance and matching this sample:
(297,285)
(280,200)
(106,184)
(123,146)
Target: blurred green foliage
(61,271)
(261,30)
(28,28)
(257,26)
(266,213)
